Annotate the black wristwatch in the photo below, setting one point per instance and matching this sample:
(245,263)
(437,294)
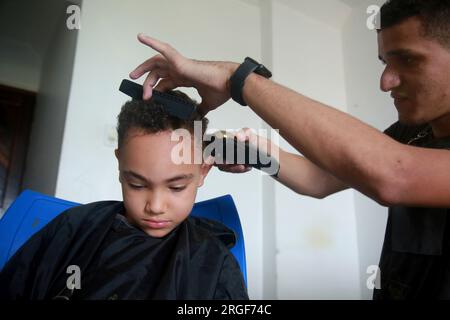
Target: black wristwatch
(237,80)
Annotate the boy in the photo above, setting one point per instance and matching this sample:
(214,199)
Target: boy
(145,247)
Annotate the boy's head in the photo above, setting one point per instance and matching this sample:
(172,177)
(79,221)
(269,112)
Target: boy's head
(158,194)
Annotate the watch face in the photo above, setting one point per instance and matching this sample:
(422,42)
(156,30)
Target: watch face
(263,71)
(252,60)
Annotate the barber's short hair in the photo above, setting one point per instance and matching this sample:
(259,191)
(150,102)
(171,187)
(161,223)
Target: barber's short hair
(433,14)
(151,117)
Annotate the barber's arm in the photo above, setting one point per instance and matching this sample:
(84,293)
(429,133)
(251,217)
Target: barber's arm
(296,172)
(304,177)
(355,153)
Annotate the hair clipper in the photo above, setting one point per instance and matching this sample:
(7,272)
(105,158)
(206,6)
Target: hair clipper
(227,149)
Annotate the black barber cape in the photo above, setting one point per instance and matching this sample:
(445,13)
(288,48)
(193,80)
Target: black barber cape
(415,262)
(119,261)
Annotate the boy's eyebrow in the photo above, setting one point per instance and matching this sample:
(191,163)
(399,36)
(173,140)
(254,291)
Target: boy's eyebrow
(181,177)
(135,175)
(173,179)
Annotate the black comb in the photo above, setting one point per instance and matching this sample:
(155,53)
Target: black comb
(175,106)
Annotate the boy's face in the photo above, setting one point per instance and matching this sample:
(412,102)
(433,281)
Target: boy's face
(157,193)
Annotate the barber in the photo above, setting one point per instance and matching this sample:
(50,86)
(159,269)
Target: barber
(407,168)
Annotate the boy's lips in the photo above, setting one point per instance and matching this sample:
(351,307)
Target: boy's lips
(156,223)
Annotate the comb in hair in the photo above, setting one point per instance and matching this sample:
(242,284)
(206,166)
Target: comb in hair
(175,106)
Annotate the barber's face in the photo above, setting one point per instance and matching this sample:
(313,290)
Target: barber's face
(417,73)
(158,194)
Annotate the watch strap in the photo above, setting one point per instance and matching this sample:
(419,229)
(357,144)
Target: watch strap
(237,80)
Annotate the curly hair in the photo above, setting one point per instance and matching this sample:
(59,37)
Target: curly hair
(151,117)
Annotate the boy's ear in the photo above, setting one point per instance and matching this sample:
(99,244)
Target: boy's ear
(116,153)
(204,170)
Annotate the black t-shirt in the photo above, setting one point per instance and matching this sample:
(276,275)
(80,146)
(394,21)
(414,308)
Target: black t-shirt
(415,259)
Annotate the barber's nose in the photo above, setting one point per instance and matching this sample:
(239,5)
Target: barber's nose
(155,203)
(389,79)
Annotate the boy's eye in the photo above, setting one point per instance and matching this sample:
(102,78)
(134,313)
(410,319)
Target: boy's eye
(178,189)
(135,186)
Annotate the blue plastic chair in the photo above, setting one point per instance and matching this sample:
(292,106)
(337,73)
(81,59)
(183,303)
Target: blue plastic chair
(31,211)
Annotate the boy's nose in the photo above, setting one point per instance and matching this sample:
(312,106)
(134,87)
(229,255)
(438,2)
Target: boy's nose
(155,205)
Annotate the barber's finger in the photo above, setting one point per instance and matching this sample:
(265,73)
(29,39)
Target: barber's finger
(140,69)
(243,134)
(203,108)
(233,168)
(240,169)
(149,83)
(210,160)
(155,62)
(165,84)
(165,49)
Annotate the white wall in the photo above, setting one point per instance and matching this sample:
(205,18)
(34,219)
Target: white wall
(107,50)
(268,184)
(368,103)
(50,111)
(316,239)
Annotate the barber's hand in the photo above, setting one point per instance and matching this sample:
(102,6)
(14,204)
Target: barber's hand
(263,144)
(242,135)
(211,79)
